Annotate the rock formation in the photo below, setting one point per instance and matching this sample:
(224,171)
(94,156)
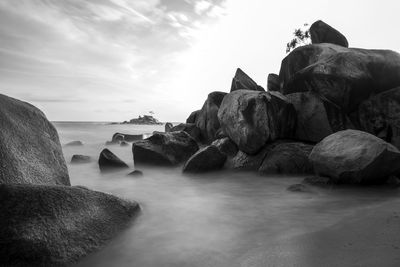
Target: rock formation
(206,159)
(323,33)
(243,81)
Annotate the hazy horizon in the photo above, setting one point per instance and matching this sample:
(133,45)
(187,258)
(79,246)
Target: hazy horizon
(112,60)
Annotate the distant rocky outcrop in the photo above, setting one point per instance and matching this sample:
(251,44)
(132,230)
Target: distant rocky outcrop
(164,149)
(323,33)
(145,120)
(243,81)
(109,161)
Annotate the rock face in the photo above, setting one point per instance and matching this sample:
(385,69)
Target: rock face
(380,116)
(226,146)
(207,119)
(30,150)
(190,128)
(164,149)
(323,33)
(119,137)
(168,126)
(355,157)
(55,225)
(74,143)
(204,160)
(193,116)
(317,118)
(251,118)
(344,76)
(109,161)
(243,81)
(77,159)
(274,84)
(287,158)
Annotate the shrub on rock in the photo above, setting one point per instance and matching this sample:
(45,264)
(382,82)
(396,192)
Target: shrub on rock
(355,157)
(206,159)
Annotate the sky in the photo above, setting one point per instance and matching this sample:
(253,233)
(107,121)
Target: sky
(113,60)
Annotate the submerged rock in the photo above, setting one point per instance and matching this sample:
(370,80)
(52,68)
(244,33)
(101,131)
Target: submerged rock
(243,81)
(299,188)
(30,150)
(164,149)
(136,173)
(78,159)
(108,161)
(74,143)
(355,157)
(251,118)
(206,159)
(56,225)
(323,33)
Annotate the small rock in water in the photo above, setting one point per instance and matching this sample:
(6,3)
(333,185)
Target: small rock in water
(74,143)
(109,160)
(136,173)
(80,159)
(317,181)
(301,188)
(123,143)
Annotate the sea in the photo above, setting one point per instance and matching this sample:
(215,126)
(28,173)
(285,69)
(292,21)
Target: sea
(226,218)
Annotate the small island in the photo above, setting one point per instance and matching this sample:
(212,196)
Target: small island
(144,120)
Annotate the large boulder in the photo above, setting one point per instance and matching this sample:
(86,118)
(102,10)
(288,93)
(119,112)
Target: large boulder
(274,84)
(193,116)
(30,150)
(109,161)
(56,225)
(246,162)
(207,119)
(323,33)
(243,81)
(355,157)
(226,146)
(164,149)
(209,158)
(344,76)
(287,158)
(380,116)
(252,118)
(317,118)
(190,128)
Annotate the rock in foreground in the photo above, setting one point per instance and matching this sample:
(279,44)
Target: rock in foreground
(109,161)
(56,225)
(206,159)
(165,149)
(355,157)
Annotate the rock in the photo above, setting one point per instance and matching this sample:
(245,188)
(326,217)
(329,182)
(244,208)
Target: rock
(136,173)
(190,128)
(44,225)
(144,120)
(317,118)
(168,127)
(380,116)
(109,160)
(164,149)
(80,159)
(355,157)
(193,116)
(323,33)
(317,181)
(344,76)
(123,143)
(30,150)
(207,119)
(119,137)
(299,188)
(226,146)
(110,143)
(204,160)
(287,158)
(251,118)
(246,162)
(274,84)
(74,143)
(243,81)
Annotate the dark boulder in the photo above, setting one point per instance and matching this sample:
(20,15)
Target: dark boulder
(77,159)
(287,158)
(30,150)
(323,33)
(119,137)
(355,157)
(380,116)
(190,128)
(204,160)
(317,118)
(344,76)
(247,162)
(168,126)
(251,118)
(193,116)
(207,119)
(274,84)
(164,149)
(108,161)
(56,225)
(243,81)
(226,146)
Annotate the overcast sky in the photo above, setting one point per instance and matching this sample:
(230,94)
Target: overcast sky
(111,60)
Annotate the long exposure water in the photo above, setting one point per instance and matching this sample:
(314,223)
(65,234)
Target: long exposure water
(215,219)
